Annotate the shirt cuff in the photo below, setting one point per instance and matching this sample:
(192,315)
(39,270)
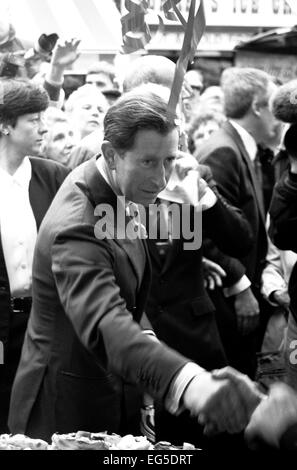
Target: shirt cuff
(54,83)
(267,292)
(208,200)
(151,333)
(243,284)
(173,401)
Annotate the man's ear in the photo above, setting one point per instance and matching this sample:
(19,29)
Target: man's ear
(4,129)
(256,108)
(109,154)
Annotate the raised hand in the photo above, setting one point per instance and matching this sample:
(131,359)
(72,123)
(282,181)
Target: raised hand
(184,163)
(65,53)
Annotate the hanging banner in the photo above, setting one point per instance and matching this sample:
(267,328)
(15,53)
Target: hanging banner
(241,13)
(136,35)
(193,33)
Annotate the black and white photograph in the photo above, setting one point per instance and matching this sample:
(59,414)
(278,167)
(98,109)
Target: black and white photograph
(148,209)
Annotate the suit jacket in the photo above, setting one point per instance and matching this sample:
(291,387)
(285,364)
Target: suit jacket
(283,227)
(235,176)
(47,177)
(179,307)
(83,333)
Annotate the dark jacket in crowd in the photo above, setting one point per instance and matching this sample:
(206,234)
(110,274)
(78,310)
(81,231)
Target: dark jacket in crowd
(283,229)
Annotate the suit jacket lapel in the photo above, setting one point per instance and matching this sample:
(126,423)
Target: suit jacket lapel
(99,192)
(146,282)
(153,252)
(170,255)
(39,200)
(236,137)
(174,247)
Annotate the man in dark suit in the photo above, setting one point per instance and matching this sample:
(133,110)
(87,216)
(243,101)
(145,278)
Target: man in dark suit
(91,277)
(232,155)
(27,188)
(179,308)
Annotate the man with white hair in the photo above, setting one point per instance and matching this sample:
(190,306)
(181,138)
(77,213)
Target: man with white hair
(233,156)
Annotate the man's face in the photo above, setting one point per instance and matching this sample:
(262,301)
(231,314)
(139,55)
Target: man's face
(101,80)
(204,131)
(143,171)
(270,129)
(59,142)
(88,114)
(27,135)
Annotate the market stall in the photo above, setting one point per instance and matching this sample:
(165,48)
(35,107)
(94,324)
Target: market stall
(273,51)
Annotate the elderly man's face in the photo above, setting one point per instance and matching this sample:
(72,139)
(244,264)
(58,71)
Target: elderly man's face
(143,171)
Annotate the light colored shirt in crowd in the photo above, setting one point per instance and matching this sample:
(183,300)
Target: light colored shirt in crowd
(18,228)
(247,139)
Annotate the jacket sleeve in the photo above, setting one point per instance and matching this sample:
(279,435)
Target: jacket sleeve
(84,271)
(232,266)
(228,228)
(225,166)
(288,441)
(283,213)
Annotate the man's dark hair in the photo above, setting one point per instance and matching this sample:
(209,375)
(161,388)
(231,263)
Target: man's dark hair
(290,141)
(284,104)
(139,109)
(19,97)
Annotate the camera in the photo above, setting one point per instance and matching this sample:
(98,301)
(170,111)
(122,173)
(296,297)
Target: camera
(11,63)
(23,63)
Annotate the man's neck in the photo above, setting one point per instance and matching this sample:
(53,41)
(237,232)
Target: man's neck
(9,159)
(246,125)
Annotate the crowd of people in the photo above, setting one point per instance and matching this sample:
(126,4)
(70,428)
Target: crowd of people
(109,320)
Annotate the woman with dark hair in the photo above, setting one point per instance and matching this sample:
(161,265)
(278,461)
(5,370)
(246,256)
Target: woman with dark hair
(27,187)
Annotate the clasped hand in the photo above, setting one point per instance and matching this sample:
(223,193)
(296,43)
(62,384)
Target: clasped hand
(222,401)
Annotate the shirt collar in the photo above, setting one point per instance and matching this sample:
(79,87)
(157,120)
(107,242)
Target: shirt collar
(21,176)
(247,139)
(110,179)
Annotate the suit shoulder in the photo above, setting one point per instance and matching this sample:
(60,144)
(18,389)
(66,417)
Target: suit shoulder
(219,141)
(49,166)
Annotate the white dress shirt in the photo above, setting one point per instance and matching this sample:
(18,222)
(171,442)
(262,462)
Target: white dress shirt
(247,139)
(18,228)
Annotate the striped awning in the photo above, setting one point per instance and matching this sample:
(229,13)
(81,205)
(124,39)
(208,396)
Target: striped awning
(95,22)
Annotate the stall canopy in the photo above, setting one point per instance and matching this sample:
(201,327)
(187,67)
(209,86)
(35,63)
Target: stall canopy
(280,40)
(273,51)
(95,22)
